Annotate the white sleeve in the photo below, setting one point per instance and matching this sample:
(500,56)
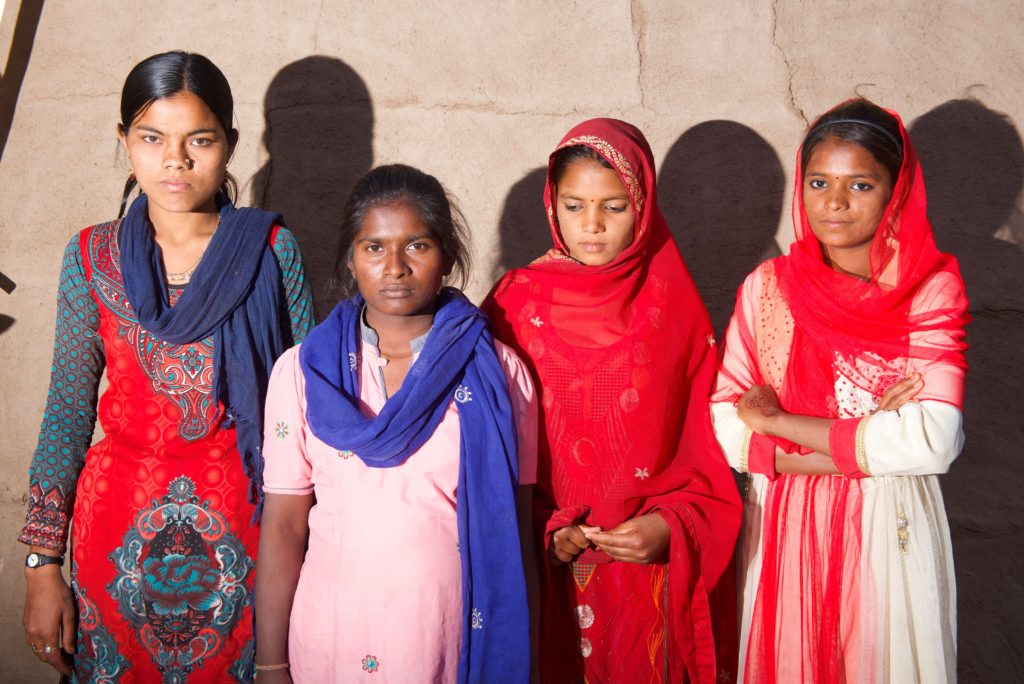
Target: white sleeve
(922,438)
(732,433)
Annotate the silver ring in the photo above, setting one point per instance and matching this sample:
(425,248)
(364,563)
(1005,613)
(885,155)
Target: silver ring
(48,649)
(34,649)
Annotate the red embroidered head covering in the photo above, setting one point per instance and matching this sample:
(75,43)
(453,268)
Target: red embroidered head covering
(625,357)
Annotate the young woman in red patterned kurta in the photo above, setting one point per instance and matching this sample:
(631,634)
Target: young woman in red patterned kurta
(634,505)
(163,542)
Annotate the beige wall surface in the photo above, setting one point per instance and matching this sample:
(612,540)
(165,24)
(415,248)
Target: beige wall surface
(478,93)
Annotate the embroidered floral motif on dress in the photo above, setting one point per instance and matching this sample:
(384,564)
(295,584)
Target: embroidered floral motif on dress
(585,616)
(96,658)
(181,373)
(49,518)
(371,664)
(463,394)
(902,529)
(181,580)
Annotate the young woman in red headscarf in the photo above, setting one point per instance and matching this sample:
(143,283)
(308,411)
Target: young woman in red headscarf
(841,392)
(636,509)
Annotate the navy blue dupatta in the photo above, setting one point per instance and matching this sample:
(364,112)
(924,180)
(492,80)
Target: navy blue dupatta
(458,362)
(235,295)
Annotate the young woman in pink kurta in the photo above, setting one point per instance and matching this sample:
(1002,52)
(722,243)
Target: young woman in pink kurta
(382,588)
(381,585)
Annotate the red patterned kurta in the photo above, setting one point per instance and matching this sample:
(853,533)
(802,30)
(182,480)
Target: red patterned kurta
(163,548)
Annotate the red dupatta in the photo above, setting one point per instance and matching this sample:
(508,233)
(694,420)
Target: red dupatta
(868,325)
(625,358)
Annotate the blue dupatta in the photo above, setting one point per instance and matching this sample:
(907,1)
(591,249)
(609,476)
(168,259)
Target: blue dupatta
(458,362)
(234,295)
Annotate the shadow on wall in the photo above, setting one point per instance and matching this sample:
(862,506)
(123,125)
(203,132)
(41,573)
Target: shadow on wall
(22,39)
(319,135)
(523,231)
(973,163)
(721,188)
(7,285)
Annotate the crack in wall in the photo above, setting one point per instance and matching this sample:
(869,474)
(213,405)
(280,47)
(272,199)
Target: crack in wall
(316,28)
(789,67)
(84,96)
(638,20)
(458,107)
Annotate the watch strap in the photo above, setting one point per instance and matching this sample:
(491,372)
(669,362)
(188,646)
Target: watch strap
(36,560)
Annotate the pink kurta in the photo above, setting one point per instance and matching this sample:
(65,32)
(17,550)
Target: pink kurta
(380,591)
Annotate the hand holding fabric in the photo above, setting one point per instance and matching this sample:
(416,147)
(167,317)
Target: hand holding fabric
(643,540)
(569,542)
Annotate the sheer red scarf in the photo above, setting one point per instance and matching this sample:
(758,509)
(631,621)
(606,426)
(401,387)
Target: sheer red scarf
(869,325)
(625,358)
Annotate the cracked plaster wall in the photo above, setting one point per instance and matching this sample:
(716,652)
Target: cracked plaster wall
(478,93)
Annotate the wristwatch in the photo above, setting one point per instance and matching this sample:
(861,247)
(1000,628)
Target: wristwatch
(34,560)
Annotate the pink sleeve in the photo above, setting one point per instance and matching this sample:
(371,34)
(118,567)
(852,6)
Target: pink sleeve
(942,381)
(287,469)
(524,408)
(738,371)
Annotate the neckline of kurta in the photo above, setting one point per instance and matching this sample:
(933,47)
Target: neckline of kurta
(372,340)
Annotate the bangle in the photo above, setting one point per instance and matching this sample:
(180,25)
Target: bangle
(267,668)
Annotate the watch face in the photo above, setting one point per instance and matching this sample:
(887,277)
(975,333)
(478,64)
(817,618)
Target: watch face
(32,560)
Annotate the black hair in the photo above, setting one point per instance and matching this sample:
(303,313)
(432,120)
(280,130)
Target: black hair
(567,156)
(398,184)
(168,74)
(860,122)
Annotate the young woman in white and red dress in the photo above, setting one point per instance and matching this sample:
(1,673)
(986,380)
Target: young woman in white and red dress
(841,392)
